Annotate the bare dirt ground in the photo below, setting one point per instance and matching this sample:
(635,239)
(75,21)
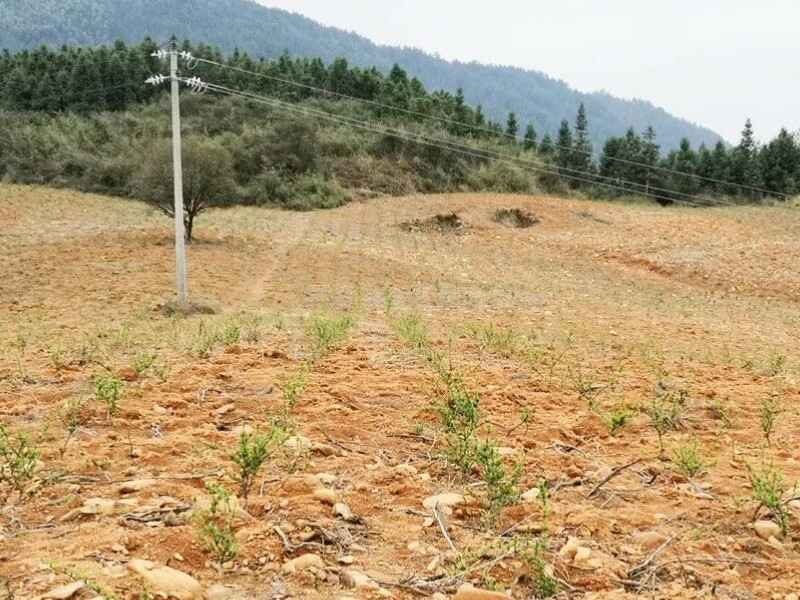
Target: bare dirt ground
(573,332)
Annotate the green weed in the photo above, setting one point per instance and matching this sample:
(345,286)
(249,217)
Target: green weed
(328,331)
(689,460)
(769,490)
(215,525)
(108,390)
(253,450)
(768,415)
(18,459)
(501,487)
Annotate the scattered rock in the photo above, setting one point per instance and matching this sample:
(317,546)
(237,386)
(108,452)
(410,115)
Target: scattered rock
(570,549)
(406,470)
(326,479)
(99,506)
(795,505)
(358,580)
(128,374)
(223,410)
(325,495)
(166,580)
(531,495)
(443,500)
(767,529)
(64,592)
(303,563)
(649,540)
(131,487)
(468,592)
(341,510)
(219,592)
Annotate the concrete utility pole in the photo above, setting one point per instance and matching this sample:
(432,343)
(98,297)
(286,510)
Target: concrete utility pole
(177,167)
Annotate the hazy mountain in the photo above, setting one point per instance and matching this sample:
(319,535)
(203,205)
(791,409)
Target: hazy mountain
(268,32)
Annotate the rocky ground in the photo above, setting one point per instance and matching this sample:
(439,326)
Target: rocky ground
(434,407)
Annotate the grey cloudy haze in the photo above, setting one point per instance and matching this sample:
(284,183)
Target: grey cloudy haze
(714,62)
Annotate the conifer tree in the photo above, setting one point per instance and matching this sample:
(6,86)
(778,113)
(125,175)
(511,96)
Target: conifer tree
(546,148)
(530,138)
(582,147)
(512,127)
(564,147)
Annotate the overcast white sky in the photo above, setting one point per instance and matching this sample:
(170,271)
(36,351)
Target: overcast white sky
(714,62)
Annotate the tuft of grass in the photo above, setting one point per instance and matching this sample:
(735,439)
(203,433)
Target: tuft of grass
(71,416)
(667,413)
(108,390)
(505,342)
(460,418)
(293,387)
(768,415)
(215,525)
(769,490)
(143,361)
(253,450)
(543,584)
(689,460)
(616,419)
(327,331)
(18,459)
(501,486)
(412,331)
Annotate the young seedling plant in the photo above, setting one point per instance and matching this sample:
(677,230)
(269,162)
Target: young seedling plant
(253,450)
(18,459)
(108,390)
(215,525)
(769,491)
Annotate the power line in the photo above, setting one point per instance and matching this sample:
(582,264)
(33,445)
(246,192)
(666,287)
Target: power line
(483,129)
(622,185)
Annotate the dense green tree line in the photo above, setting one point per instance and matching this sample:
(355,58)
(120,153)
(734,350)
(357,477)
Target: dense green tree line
(112,78)
(60,105)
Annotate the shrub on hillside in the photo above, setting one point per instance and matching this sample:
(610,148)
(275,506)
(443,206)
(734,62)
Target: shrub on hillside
(207,177)
(502,177)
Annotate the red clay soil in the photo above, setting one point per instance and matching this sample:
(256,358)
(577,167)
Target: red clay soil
(568,331)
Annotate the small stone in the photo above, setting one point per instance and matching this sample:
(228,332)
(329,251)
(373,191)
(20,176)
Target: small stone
(443,500)
(303,563)
(569,549)
(178,557)
(649,540)
(327,479)
(325,495)
(767,529)
(346,560)
(358,580)
(65,591)
(219,592)
(166,580)
(223,410)
(531,495)
(131,487)
(795,506)
(324,449)
(582,555)
(128,374)
(341,510)
(406,470)
(468,592)
(438,596)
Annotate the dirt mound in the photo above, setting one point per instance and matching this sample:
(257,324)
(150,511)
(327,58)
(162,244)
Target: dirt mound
(445,223)
(515,217)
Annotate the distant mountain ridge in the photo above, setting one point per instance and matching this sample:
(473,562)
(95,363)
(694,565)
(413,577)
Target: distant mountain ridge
(268,32)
